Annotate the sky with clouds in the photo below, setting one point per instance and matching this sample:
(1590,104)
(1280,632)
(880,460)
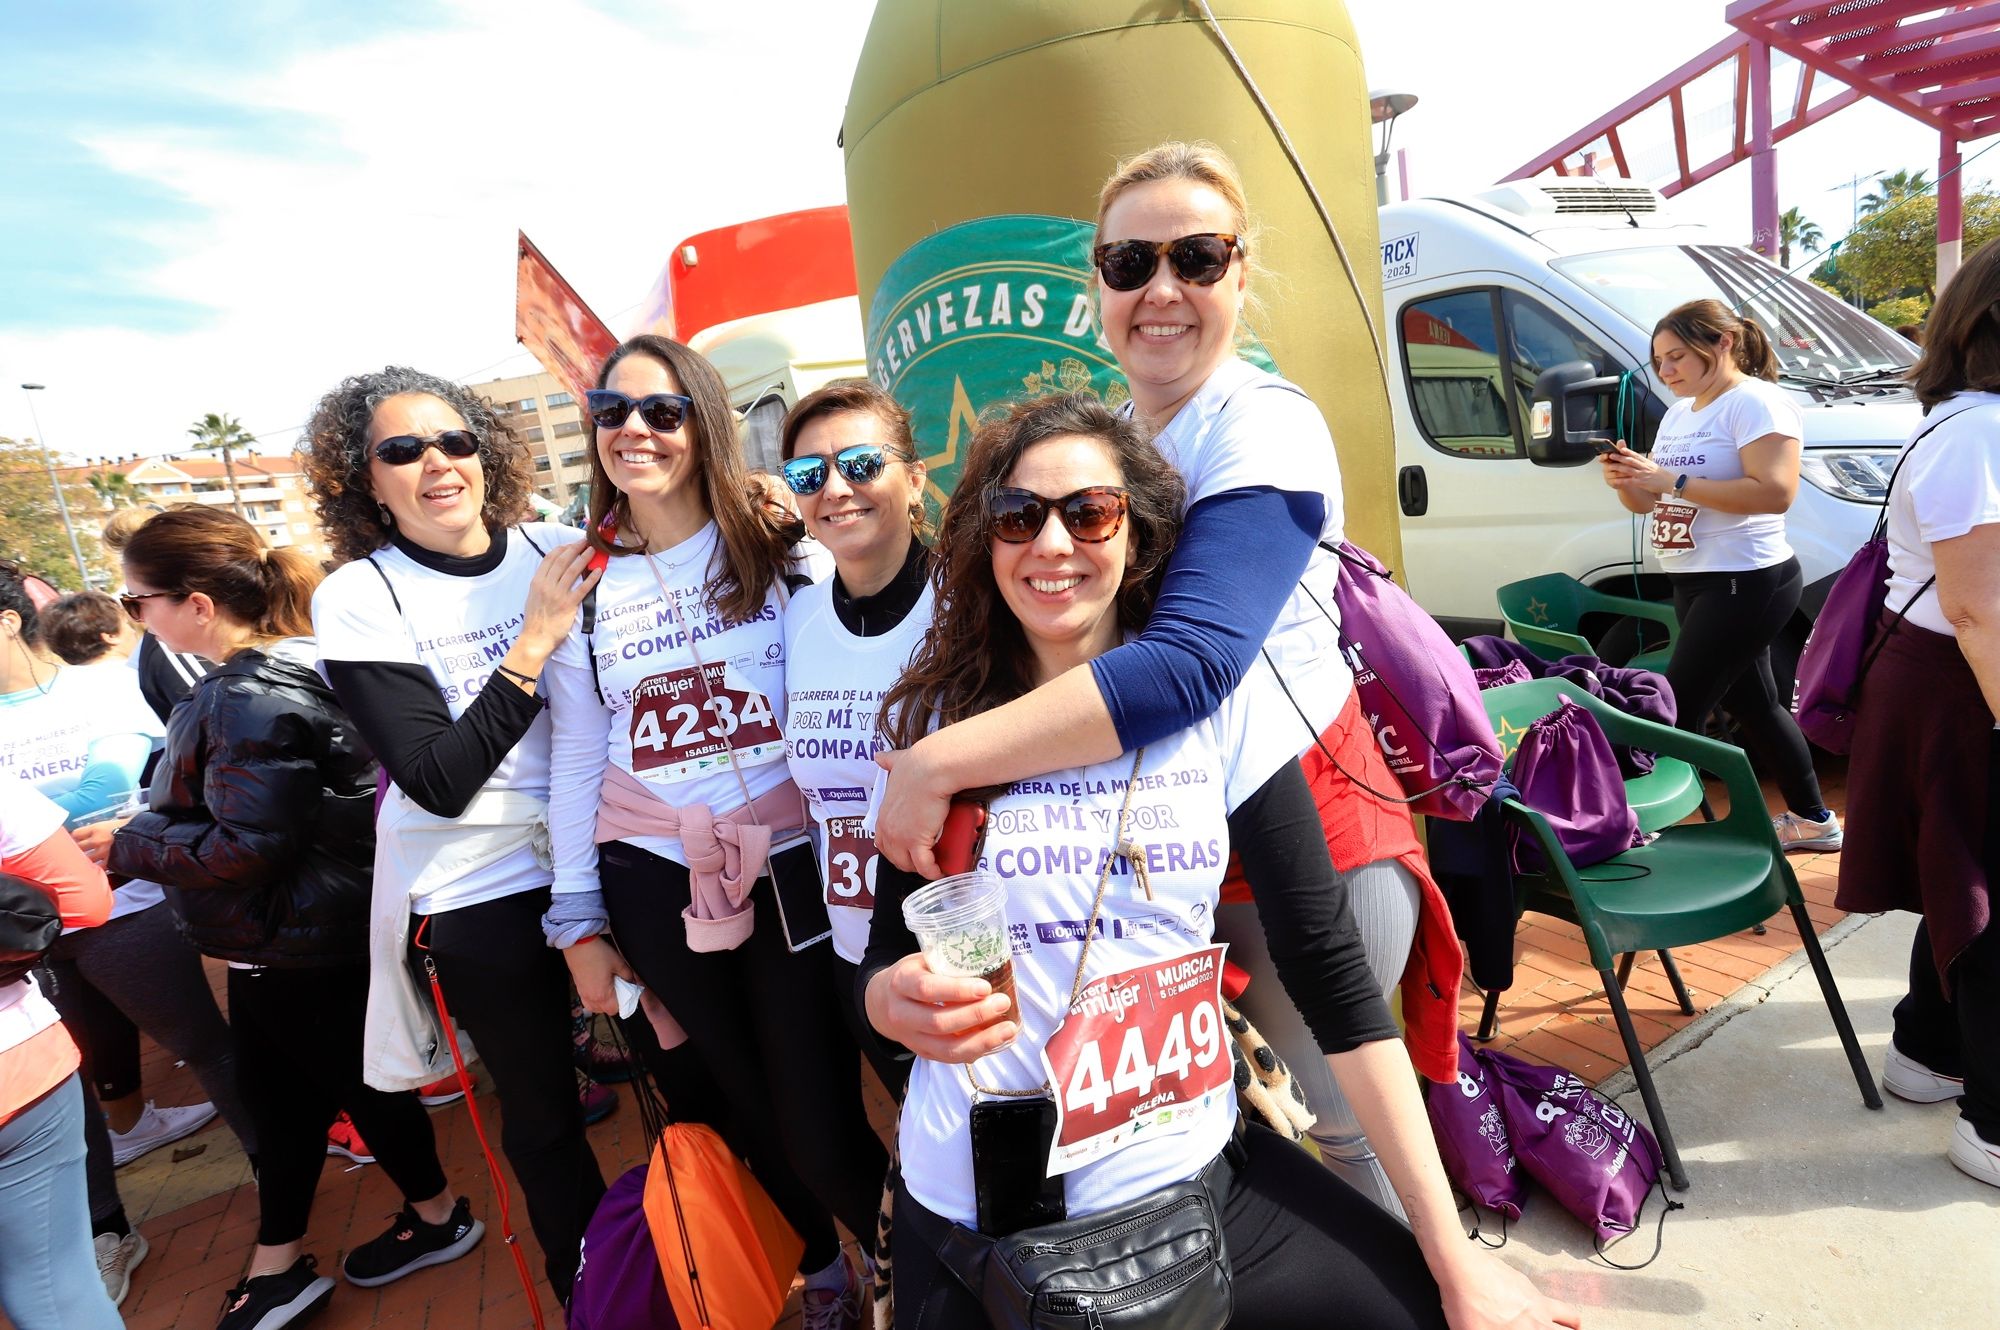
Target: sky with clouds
(227,207)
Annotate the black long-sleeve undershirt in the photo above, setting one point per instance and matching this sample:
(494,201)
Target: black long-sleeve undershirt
(1302,903)
(439,762)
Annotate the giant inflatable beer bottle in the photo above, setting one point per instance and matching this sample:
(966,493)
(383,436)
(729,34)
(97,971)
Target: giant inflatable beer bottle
(977,134)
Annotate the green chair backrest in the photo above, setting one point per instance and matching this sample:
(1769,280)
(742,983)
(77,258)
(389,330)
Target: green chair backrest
(1513,707)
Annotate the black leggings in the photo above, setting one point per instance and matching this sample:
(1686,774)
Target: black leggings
(1723,656)
(298,1063)
(780,1051)
(510,991)
(1305,1250)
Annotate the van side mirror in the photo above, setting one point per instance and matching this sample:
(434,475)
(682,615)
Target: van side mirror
(1551,439)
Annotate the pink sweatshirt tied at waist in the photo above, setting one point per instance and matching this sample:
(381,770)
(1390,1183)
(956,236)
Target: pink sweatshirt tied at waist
(725,852)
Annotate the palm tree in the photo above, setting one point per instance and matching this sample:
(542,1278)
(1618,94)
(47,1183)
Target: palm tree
(1892,189)
(213,432)
(1795,229)
(113,487)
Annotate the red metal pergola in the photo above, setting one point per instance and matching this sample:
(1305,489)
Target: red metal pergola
(1938,63)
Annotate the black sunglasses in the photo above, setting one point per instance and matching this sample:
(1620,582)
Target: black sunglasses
(134,602)
(1127,265)
(662,412)
(858,465)
(1092,515)
(404,449)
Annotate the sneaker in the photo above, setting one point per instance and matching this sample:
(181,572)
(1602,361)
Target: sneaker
(1797,833)
(1907,1078)
(832,1309)
(599,1101)
(1972,1156)
(344,1139)
(439,1093)
(269,1301)
(605,1065)
(157,1127)
(411,1244)
(117,1258)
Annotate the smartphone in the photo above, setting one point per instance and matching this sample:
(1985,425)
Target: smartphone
(1011,1139)
(1606,446)
(958,843)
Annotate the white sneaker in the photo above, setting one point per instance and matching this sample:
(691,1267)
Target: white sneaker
(1972,1156)
(1907,1078)
(1797,833)
(117,1258)
(157,1127)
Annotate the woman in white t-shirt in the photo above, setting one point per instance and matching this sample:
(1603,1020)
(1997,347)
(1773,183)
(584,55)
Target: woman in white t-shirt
(851,465)
(1253,576)
(1924,771)
(433,634)
(1723,472)
(676,825)
(1106,1073)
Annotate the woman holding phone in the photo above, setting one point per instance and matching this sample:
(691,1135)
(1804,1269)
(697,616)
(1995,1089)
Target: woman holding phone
(677,829)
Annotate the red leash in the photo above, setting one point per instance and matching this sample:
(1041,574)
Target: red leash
(479,1127)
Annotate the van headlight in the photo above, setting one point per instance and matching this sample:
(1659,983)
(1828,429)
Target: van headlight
(1853,474)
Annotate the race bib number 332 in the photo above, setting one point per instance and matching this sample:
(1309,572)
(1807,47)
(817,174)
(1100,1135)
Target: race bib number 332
(684,724)
(1673,525)
(1144,1052)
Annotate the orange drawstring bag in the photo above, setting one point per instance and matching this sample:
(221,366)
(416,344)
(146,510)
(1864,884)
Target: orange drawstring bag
(727,1254)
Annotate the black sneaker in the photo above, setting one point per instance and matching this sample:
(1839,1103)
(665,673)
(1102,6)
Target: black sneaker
(290,1297)
(411,1244)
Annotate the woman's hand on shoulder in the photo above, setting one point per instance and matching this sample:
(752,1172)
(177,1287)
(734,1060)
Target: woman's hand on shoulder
(593,963)
(939,1017)
(914,803)
(1488,1294)
(564,578)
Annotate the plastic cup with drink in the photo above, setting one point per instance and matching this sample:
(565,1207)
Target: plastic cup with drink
(961,925)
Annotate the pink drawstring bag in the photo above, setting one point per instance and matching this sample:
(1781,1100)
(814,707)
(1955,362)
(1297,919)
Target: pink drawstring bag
(1472,1136)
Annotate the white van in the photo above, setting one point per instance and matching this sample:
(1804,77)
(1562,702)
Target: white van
(1486,296)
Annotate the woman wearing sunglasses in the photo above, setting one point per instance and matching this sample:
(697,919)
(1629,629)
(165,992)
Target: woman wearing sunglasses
(677,827)
(434,634)
(1105,1079)
(851,463)
(262,828)
(1248,578)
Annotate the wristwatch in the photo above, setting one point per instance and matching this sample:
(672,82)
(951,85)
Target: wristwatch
(1680,484)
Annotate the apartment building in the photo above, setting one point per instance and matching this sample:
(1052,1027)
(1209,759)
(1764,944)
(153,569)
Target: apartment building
(551,421)
(271,490)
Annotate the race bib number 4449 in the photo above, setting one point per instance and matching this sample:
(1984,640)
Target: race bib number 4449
(685,724)
(1144,1052)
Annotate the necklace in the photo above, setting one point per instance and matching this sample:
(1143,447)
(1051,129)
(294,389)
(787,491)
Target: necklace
(33,677)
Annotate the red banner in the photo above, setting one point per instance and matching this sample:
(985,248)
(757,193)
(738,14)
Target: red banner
(551,320)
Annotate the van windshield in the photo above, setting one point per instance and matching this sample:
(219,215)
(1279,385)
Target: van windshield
(1815,335)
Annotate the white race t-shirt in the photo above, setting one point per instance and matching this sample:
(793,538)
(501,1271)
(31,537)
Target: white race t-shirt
(458,628)
(45,739)
(27,818)
(1949,484)
(656,720)
(1707,445)
(834,686)
(1246,429)
(1046,839)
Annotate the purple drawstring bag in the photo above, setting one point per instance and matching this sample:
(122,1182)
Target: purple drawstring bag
(1501,675)
(1565,771)
(1417,691)
(1847,635)
(618,1281)
(1472,1136)
(1597,1162)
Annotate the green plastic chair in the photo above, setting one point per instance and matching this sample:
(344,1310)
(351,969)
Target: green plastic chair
(1545,615)
(1695,882)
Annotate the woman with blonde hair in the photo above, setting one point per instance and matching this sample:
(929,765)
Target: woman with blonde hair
(262,829)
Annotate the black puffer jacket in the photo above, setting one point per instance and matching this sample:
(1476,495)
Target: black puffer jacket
(262,827)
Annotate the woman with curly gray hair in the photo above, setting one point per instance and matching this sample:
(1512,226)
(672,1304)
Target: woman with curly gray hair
(433,635)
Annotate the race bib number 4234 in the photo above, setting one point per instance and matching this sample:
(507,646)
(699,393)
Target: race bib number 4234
(1143,1053)
(685,725)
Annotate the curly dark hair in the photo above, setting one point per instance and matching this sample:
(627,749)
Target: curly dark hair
(336,452)
(974,656)
(755,542)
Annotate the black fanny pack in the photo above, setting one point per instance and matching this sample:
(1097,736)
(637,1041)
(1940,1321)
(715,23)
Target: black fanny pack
(1157,1263)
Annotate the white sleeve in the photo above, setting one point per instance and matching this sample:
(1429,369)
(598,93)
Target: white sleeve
(356,619)
(580,731)
(1273,437)
(1958,487)
(27,816)
(1765,410)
